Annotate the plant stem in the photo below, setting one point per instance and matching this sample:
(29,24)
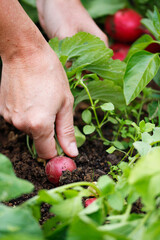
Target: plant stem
(33,200)
(140,111)
(32,152)
(93,108)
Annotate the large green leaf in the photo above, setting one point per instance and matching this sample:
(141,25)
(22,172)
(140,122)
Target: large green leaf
(105,91)
(140,70)
(145,177)
(103,7)
(156,20)
(83,228)
(18,222)
(68,208)
(88,52)
(11,186)
(153,231)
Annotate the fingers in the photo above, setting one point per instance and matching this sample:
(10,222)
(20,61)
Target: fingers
(41,129)
(45,145)
(43,136)
(65,129)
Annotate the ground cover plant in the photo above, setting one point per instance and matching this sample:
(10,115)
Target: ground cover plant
(114,94)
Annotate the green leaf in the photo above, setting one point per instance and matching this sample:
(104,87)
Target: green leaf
(141,68)
(96,211)
(142,147)
(83,228)
(88,129)
(146,127)
(150,163)
(112,70)
(30,9)
(68,208)
(156,135)
(107,107)
(119,145)
(116,201)
(80,137)
(140,44)
(103,7)
(11,186)
(105,91)
(83,49)
(157,78)
(156,20)
(153,108)
(87,116)
(30,2)
(148,23)
(112,120)
(18,222)
(111,149)
(146,137)
(145,177)
(88,52)
(106,185)
(152,231)
(121,229)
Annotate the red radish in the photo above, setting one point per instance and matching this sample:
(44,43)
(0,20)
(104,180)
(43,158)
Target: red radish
(56,166)
(124,25)
(120,50)
(89,201)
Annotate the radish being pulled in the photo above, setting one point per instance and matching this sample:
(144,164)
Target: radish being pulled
(120,50)
(56,166)
(124,25)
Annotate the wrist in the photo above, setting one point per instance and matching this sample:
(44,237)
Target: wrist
(18,34)
(26,44)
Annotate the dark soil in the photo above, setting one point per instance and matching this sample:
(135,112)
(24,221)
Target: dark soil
(92,161)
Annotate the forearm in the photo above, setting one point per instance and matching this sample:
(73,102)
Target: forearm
(64,18)
(18,34)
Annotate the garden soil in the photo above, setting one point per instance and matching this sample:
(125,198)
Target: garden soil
(92,162)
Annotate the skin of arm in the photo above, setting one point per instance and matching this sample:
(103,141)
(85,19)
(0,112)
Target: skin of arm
(64,18)
(34,91)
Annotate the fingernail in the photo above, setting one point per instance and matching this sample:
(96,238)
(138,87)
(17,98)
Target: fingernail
(73,149)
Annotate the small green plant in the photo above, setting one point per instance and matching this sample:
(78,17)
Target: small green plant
(110,216)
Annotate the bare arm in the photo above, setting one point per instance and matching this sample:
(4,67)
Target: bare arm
(34,91)
(64,18)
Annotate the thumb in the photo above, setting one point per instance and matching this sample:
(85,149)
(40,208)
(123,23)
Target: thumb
(65,131)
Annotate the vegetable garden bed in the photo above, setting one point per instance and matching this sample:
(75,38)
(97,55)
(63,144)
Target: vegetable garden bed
(117,127)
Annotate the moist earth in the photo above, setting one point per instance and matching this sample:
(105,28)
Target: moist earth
(92,162)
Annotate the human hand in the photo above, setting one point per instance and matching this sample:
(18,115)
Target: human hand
(61,18)
(34,95)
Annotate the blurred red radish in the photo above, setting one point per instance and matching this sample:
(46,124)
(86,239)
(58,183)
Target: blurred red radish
(56,166)
(120,50)
(124,25)
(89,201)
